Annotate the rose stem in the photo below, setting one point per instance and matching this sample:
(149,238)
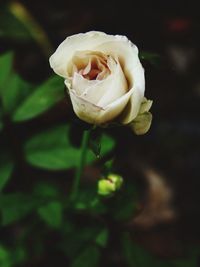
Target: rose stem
(81,163)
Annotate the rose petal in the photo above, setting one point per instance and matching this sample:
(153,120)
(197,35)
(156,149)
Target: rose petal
(91,113)
(128,57)
(84,110)
(115,85)
(79,83)
(104,92)
(83,41)
(132,109)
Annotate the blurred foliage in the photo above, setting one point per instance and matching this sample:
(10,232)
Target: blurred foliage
(52,149)
(49,149)
(6,167)
(138,256)
(9,258)
(40,225)
(18,25)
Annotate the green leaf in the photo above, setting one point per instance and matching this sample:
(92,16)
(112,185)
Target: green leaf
(88,257)
(16,206)
(6,168)
(51,149)
(107,144)
(6,69)
(102,238)
(51,213)
(15,91)
(12,257)
(42,98)
(5,173)
(5,257)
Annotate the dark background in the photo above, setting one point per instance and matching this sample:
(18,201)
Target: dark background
(168,30)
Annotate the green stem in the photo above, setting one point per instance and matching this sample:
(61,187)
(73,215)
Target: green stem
(81,164)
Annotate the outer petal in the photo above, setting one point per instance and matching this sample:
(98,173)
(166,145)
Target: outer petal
(78,42)
(132,109)
(96,115)
(128,57)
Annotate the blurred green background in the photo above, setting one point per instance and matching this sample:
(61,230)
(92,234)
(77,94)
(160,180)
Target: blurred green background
(153,221)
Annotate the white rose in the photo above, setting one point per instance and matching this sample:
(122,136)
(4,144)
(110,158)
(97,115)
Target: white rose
(104,76)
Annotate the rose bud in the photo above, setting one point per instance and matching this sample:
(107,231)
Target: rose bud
(104,77)
(107,186)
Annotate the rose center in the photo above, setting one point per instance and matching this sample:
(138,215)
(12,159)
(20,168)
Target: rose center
(91,65)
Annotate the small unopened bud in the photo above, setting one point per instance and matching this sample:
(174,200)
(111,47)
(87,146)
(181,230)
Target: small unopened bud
(110,184)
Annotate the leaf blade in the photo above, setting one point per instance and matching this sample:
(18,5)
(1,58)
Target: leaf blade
(6,168)
(52,150)
(43,98)
(6,61)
